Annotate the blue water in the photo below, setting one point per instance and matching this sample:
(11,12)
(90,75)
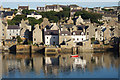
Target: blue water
(33,5)
(36,67)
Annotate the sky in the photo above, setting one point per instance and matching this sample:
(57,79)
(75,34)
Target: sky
(59,0)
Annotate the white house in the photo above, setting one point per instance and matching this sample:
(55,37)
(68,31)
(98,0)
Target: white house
(51,37)
(78,36)
(35,15)
(13,31)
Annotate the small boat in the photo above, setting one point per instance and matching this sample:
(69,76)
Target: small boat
(74,56)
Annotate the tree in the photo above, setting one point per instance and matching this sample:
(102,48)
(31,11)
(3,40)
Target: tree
(33,21)
(16,20)
(27,12)
(89,15)
(19,40)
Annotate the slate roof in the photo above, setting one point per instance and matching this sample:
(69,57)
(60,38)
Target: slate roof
(51,6)
(78,32)
(23,7)
(75,10)
(73,5)
(9,13)
(68,25)
(80,27)
(103,29)
(51,32)
(65,32)
(13,27)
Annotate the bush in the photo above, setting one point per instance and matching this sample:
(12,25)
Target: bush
(19,40)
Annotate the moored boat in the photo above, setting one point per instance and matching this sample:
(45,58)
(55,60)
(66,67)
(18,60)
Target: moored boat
(74,56)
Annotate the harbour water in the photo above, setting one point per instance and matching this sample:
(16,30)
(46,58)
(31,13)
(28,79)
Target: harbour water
(90,65)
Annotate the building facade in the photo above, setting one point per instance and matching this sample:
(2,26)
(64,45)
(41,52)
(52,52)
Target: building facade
(34,15)
(51,37)
(25,29)
(13,31)
(55,8)
(37,35)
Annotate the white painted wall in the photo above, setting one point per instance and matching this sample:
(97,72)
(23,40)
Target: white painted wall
(13,32)
(78,38)
(50,39)
(35,16)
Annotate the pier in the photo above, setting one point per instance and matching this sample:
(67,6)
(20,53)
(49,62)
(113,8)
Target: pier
(51,51)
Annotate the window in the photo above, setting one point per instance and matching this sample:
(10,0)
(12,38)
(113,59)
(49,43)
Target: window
(17,34)
(2,29)
(10,33)
(77,38)
(9,17)
(73,38)
(53,37)
(87,33)
(62,34)
(34,39)
(3,34)
(82,38)
(47,37)
(66,34)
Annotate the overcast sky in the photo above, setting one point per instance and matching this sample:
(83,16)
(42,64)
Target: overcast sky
(59,0)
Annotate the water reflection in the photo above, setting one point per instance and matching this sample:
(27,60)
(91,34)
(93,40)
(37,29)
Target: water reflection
(39,66)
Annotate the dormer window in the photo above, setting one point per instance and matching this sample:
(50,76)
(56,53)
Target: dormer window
(82,33)
(73,33)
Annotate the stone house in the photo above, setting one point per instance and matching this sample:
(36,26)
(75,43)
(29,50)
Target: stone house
(54,27)
(45,23)
(116,32)
(90,31)
(107,34)
(13,31)
(37,35)
(20,8)
(55,8)
(65,38)
(98,34)
(34,15)
(86,9)
(1,8)
(25,29)
(3,29)
(41,9)
(70,21)
(108,8)
(75,7)
(4,9)
(79,21)
(97,9)
(72,12)
(72,37)
(103,33)
(0,32)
